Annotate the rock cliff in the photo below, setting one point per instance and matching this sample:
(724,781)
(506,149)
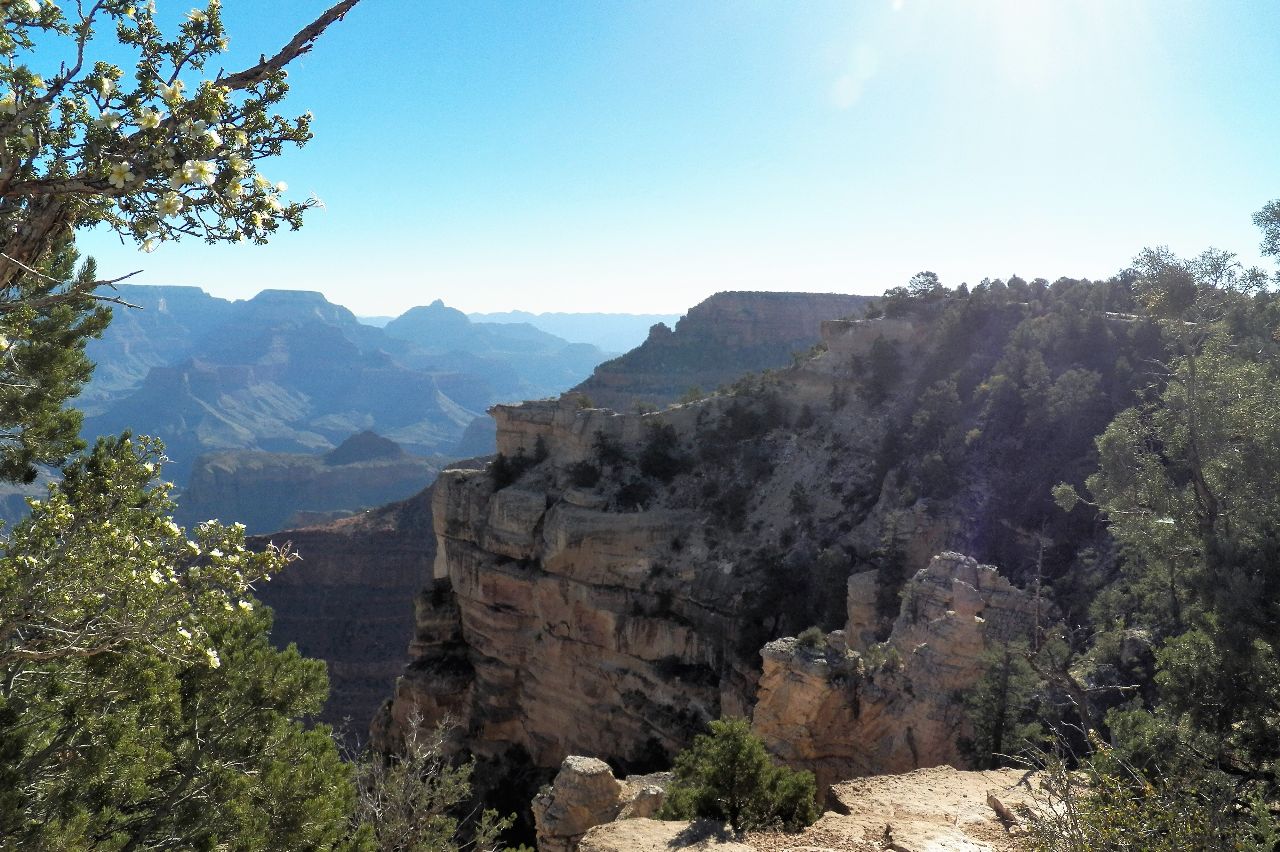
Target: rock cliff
(350,601)
(594,607)
(844,712)
(271,491)
(608,584)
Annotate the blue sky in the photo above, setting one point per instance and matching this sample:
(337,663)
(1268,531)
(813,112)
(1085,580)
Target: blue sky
(611,156)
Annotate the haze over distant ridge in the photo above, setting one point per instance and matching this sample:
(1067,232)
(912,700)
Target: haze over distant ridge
(612,332)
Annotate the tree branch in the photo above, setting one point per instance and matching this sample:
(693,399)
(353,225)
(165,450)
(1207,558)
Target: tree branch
(301,43)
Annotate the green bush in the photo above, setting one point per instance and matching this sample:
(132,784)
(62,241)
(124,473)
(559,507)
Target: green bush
(661,457)
(584,474)
(1111,805)
(811,638)
(727,775)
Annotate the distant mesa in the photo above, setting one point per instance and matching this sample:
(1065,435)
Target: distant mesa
(364,446)
(720,340)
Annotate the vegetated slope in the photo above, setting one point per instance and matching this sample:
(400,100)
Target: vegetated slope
(718,340)
(272,491)
(287,371)
(612,580)
(610,332)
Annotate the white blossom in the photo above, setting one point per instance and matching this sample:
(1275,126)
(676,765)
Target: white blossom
(171,94)
(171,205)
(149,119)
(199,171)
(120,175)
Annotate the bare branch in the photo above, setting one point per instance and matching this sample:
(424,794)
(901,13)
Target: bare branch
(301,43)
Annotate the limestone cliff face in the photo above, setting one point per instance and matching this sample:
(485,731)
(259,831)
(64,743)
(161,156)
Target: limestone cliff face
(725,337)
(350,601)
(551,627)
(844,712)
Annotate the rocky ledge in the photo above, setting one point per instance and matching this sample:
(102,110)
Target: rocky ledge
(928,810)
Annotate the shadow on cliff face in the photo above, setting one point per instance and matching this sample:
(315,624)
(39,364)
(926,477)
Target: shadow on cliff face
(349,601)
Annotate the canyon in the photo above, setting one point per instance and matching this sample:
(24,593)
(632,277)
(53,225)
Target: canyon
(565,618)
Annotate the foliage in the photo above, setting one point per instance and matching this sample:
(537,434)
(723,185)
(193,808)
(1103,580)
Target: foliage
(98,567)
(811,638)
(409,803)
(1186,481)
(1110,805)
(1001,709)
(727,775)
(42,363)
(660,457)
(504,470)
(156,151)
(883,369)
(584,474)
(609,451)
(141,704)
(634,495)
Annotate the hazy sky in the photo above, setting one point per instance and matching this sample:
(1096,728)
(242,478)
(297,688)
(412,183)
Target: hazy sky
(611,156)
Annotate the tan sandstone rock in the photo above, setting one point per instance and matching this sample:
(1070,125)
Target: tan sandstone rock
(585,794)
(928,810)
(892,708)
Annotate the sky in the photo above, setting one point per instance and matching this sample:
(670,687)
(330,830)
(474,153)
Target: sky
(640,156)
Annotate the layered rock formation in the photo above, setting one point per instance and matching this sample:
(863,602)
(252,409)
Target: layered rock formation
(289,372)
(350,601)
(720,339)
(611,618)
(844,712)
(568,633)
(272,491)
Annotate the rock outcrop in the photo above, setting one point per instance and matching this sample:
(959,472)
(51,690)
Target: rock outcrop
(574,639)
(845,712)
(720,339)
(585,794)
(928,810)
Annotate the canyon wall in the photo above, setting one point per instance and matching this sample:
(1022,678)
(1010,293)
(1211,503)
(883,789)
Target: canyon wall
(571,618)
(717,341)
(844,711)
(350,600)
